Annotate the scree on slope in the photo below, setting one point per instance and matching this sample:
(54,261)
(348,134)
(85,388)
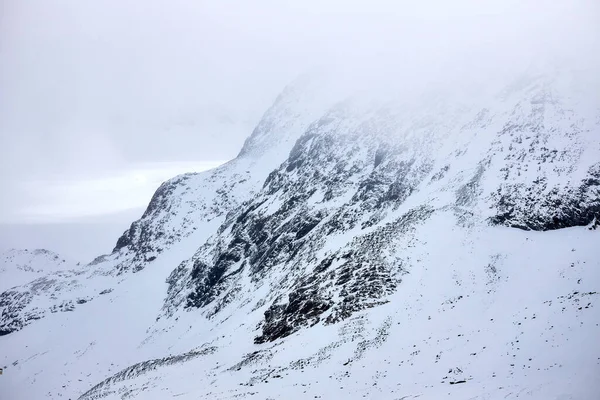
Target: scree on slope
(357,247)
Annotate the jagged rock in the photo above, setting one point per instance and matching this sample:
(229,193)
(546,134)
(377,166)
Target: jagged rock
(344,236)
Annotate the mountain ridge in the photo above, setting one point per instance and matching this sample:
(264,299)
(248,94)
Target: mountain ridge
(342,225)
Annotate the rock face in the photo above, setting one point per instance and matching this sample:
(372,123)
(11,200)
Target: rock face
(355,241)
(363,175)
(180,204)
(189,206)
(540,208)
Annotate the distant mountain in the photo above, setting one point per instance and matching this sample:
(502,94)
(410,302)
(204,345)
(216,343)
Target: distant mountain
(18,267)
(360,246)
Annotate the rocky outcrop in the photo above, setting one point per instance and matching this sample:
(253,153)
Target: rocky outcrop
(182,206)
(361,177)
(103,389)
(539,207)
(334,230)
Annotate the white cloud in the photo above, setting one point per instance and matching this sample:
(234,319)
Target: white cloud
(51,201)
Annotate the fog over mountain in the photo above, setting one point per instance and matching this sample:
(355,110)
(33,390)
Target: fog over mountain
(300,200)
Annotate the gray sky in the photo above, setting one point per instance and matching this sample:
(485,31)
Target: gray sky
(101,100)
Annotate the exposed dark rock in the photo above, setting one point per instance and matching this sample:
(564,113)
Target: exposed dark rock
(160,202)
(303,309)
(440,174)
(535,208)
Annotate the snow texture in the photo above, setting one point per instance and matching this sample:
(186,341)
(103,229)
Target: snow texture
(358,247)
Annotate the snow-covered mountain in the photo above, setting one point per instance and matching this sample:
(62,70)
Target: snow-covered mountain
(18,267)
(360,246)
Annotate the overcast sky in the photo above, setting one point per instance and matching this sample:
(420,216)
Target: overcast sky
(102,100)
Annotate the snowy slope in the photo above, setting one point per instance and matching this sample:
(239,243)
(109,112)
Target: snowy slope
(485,313)
(182,214)
(18,267)
(181,204)
(370,247)
(184,207)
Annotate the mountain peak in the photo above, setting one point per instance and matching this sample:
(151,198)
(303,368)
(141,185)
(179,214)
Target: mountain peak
(374,244)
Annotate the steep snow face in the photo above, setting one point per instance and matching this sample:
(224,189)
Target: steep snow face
(321,235)
(182,203)
(185,208)
(376,259)
(481,313)
(21,266)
